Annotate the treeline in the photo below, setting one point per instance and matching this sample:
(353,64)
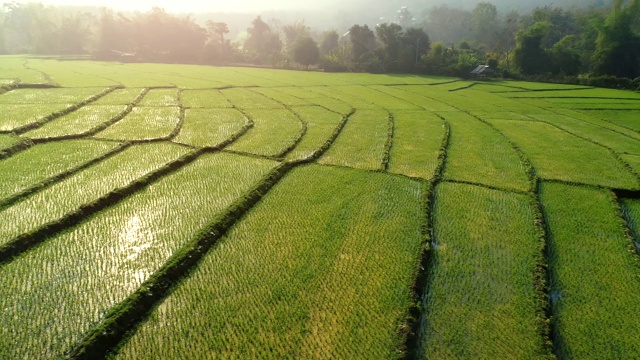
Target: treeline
(550,43)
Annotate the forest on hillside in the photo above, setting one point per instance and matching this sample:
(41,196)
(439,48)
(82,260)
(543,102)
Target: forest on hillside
(594,44)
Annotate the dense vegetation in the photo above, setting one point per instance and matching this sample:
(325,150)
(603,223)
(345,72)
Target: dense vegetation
(593,45)
(155,210)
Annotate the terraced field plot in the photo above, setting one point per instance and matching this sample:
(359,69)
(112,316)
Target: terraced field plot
(167,211)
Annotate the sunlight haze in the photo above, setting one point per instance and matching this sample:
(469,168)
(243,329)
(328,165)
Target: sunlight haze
(187,5)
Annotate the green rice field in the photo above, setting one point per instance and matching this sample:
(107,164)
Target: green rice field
(152,211)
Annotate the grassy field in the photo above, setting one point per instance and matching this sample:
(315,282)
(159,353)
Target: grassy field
(182,211)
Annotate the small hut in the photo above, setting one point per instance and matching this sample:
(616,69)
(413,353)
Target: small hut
(482,71)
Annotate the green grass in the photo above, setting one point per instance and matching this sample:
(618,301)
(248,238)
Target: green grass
(52,295)
(480,302)
(624,118)
(119,97)
(350,97)
(558,155)
(40,162)
(65,73)
(416,143)
(84,187)
(209,127)
(7,141)
(378,98)
(479,154)
(144,123)
(47,96)
(616,141)
(321,268)
(589,93)
(282,97)
(419,99)
(631,208)
(321,124)
(633,161)
(15,116)
(204,99)
(275,130)
(317,99)
(594,279)
(78,122)
(247,99)
(361,143)
(161,97)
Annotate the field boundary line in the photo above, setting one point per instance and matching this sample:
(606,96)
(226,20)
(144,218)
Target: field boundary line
(29,240)
(388,146)
(12,199)
(415,323)
(12,150)
(123,319)
(490,187)
(100,127)
(44,120)
(630,234)
(553,110)
(611,151)
(541,274)
(303,127)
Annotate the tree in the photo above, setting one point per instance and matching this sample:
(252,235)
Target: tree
(75,32)
(565,59)
(305,51)
(363,42)
(530,57)
(330,42)
(404,17)
(263,44)
(618,47)
(417,41)
(485,23)
(217,30)
(391,37)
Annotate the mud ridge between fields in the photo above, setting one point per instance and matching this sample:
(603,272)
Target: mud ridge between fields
(123,319)
(415,322)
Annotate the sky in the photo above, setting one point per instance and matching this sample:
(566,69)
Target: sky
(189,6)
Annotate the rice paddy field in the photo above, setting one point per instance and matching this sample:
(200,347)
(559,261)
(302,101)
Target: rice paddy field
(153,211)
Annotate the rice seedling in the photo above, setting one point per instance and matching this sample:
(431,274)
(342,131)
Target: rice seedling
(208,99)
(362,142)
(581,93)
(631,208)
(350,98)
(43,161)
(479,154)
(273,133)
(8,140)
(282,97)
(48,96)
(144,123)
(119,97)
(247,99)
(480,302)
(16,116)
(321,268)
(209,127)
(65,73)
(416,143)
(321,124)
(77,122)
(633,161)
(84,187)
(377,98)
(161,97)
(603,136)
(53,294)
(624,118)
(558,155)
(594,279)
